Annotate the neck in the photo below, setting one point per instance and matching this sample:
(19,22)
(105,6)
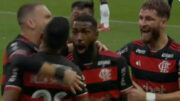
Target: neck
(159,44)
(32,36)
(44,48)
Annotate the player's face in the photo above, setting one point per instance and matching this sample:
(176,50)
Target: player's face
(77,12)
(150,25)
(83,35)
(41,17)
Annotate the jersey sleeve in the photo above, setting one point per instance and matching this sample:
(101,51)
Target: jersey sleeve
(16,48)
(125,51)
(15,79)
(125,81)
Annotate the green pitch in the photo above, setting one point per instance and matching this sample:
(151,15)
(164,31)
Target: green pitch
(123,21)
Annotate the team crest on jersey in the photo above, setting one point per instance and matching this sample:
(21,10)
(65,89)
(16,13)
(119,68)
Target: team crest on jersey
(140,51)
(105,74)
(138,63)
(164,66)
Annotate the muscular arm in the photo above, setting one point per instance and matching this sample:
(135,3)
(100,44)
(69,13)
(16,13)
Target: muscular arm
(175,96)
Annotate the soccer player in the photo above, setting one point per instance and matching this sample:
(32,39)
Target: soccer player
(32,19)
(36,87)
(106,73)
(105,13)
(155,58)
(170,3)
(79,8)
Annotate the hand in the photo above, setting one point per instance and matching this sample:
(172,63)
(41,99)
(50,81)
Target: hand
(137,93)
(72,80)
(101,46)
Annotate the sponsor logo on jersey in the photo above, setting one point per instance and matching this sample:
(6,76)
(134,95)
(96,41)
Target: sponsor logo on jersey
(164,66)
(167,55)
(123,76)
(14,75)
(140,51)
(160,89)
(104,62)
(36,79)
(105,74)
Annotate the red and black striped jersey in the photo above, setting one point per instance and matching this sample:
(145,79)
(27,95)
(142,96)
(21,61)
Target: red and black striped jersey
(38,88)
(20,46)
(154,71)
(107,76)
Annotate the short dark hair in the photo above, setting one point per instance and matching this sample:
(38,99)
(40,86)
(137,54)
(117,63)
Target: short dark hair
(160,6)
(87,18)
(83,5)
(56,33)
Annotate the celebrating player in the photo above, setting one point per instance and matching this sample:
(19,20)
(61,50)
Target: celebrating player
(36,87)
(106,73)
(155,59)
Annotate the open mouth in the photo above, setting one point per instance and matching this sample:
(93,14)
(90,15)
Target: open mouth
(145,31)
(81,49)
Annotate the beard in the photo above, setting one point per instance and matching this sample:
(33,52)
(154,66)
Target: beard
(153,37)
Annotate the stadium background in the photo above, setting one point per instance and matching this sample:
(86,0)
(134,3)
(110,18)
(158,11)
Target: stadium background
(123,21)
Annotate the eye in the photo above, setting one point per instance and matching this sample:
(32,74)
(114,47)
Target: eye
(85,31)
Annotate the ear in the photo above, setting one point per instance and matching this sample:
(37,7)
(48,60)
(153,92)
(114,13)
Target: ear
(164,22)
(31,23)
(96,34)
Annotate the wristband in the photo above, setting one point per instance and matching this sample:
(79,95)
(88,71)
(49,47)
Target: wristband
(150,96)
(60,69)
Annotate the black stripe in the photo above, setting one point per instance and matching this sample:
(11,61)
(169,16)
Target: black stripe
(154,77)
(100,87)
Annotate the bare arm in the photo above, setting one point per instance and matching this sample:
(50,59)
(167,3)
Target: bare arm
(175,96)
(138,94)
(11,95)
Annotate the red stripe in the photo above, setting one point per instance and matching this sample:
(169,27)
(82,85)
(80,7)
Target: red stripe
(109,53)
(175,43)
(5,58)
(3,79)
(94,76)
(175,48)
(138,42)
(151,64)
(160,87)
(12,88)
(17,52)
(24,40)
(107,94)
(70,57)
(33,80)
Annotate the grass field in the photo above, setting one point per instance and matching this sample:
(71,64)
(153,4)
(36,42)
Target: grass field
(123,20)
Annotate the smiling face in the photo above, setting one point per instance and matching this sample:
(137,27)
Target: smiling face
(84,35)
(150,25)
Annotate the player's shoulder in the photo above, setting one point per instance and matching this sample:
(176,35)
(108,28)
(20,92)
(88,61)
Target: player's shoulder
(138,43)
(109,54)
(174,46)
(16,47)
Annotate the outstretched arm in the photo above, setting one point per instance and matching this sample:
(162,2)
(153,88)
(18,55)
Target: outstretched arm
(138,94)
